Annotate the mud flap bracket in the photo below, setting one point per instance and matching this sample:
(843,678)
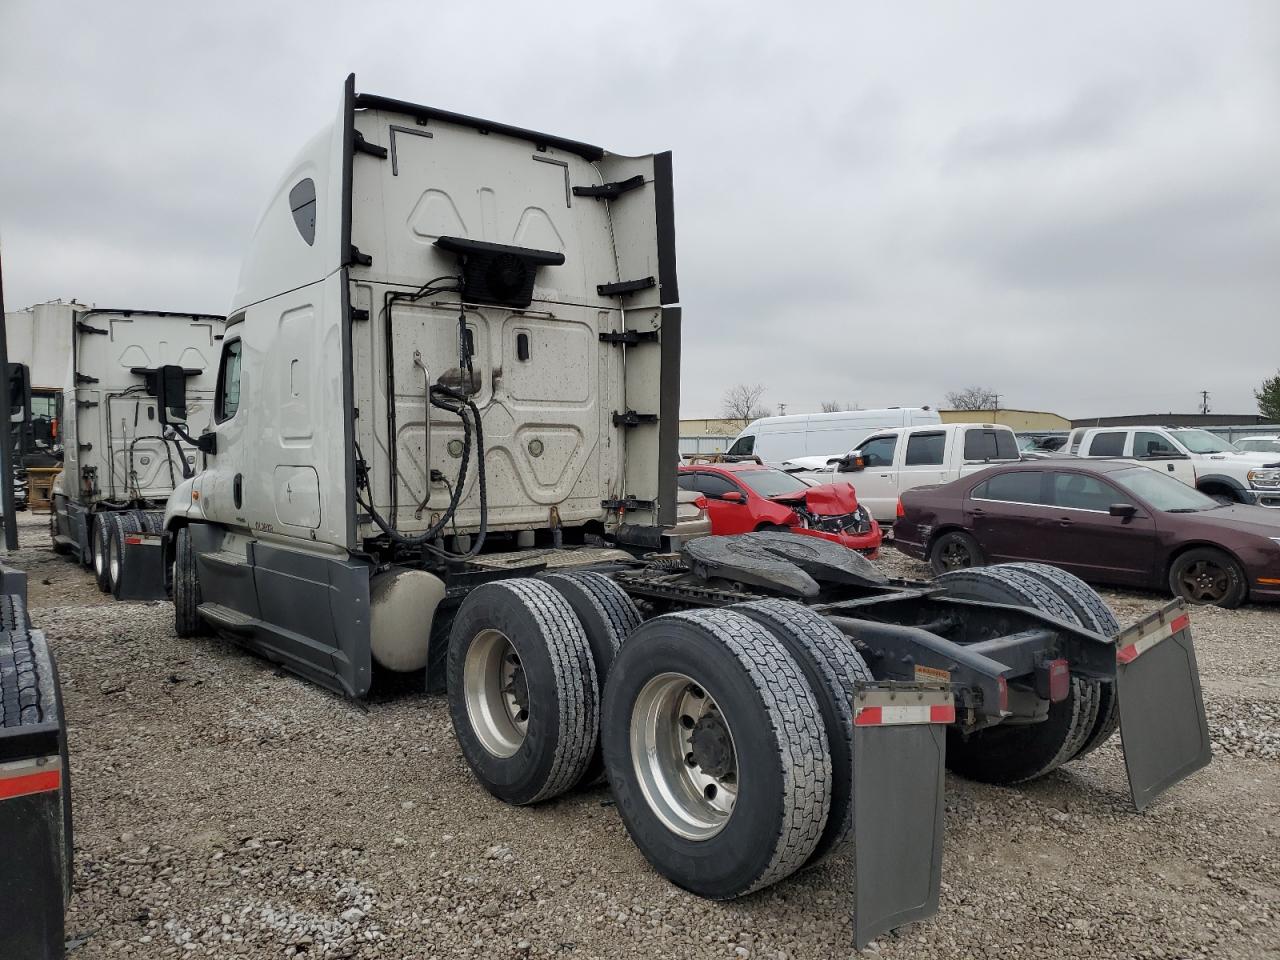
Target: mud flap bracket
(1162,720)
(899,757)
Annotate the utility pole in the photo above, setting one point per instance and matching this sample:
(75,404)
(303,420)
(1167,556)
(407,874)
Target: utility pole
(782,409)
(1204,401)
(7,465)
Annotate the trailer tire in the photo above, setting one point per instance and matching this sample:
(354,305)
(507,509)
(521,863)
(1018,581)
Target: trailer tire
(523,694)
(762,731)
(1098,617)
(186,587)
(1014,753)
(608,616)
(98,535)
(831,666)
(123,523)
(13,614)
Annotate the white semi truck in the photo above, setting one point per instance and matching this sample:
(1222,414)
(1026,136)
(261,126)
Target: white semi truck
(444,443)
(120,462)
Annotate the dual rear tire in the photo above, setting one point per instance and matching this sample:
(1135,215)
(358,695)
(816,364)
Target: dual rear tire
(725,734)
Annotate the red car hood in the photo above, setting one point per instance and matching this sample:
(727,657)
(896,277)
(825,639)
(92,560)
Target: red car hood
(826,500)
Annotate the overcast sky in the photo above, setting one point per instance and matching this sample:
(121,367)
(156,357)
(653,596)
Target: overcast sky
(1077,204)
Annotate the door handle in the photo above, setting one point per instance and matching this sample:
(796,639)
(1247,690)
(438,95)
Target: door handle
(1170,466)
(978,512)
(1065,522)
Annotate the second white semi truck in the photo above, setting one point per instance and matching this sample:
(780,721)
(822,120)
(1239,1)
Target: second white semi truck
(120,462)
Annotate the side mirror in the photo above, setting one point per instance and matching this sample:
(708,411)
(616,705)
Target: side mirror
(852,463)
(171,394)
(1123,510)
(731,496)
(19,392)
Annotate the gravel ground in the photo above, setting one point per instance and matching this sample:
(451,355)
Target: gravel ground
(224,809)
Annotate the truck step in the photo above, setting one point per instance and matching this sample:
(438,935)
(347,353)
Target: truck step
(226,618)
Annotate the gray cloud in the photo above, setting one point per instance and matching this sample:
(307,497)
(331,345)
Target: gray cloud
(873,203)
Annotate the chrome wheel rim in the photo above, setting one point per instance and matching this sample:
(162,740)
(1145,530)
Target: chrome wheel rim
(113,561)
(97,554)
(496,693)
(684,756)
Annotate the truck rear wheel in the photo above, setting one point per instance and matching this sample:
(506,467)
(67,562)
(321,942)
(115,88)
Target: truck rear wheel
(1096,616)
(101,530)
(186,588)
(1016,752)
(522,690)
(831,666)
(608,616)
(716,752)
(124,523)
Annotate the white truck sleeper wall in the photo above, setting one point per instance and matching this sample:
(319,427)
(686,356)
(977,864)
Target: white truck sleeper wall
(422,284)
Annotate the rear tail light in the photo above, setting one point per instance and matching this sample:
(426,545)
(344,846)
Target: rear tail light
(901,512)
(1002,686)
(1053,680)
(701,502)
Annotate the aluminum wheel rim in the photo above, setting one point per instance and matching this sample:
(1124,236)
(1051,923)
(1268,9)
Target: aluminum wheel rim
(955,556)
(113,561)
(496,693)
(97,554)
(693,802)
(1206,582)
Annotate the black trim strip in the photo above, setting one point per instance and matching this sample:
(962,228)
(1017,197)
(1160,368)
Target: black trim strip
(669,416)
(348,160)
(664,207)
(347,251)
(367,101)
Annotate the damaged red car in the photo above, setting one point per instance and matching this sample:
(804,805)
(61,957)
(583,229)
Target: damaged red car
(744,497)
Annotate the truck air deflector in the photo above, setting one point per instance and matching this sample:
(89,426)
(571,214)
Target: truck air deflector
(367,101)
(899,758)
(1162,720)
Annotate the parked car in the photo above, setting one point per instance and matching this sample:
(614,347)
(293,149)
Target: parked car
(890,462)
(1106,522)
(1196,457)
(744,497)
(775,439)
(1258,444)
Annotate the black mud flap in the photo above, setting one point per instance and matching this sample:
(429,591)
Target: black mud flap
(1162,721)
(899,755)
(142,568)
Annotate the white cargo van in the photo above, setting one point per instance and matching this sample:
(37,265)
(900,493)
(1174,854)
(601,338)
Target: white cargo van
(775,439)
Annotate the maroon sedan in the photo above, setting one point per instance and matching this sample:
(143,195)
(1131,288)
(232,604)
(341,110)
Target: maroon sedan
(1106,522)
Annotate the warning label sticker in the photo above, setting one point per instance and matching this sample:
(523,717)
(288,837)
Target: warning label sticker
(932,675)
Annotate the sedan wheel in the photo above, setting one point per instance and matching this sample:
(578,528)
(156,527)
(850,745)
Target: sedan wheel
(1208,576)
(955,550)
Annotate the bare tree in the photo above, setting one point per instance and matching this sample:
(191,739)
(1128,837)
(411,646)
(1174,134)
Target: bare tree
(835,406)
(974,398)
(742,402)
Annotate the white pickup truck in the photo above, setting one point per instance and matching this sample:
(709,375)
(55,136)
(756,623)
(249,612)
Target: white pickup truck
(1196,457)
(891,461)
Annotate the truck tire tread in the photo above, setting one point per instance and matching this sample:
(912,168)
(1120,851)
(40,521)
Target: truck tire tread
(831,667)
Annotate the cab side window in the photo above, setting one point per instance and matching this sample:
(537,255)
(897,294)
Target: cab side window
(925,449)
(1107,444)
(878,452)
(1152,446)
(228,398)
(743,446)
